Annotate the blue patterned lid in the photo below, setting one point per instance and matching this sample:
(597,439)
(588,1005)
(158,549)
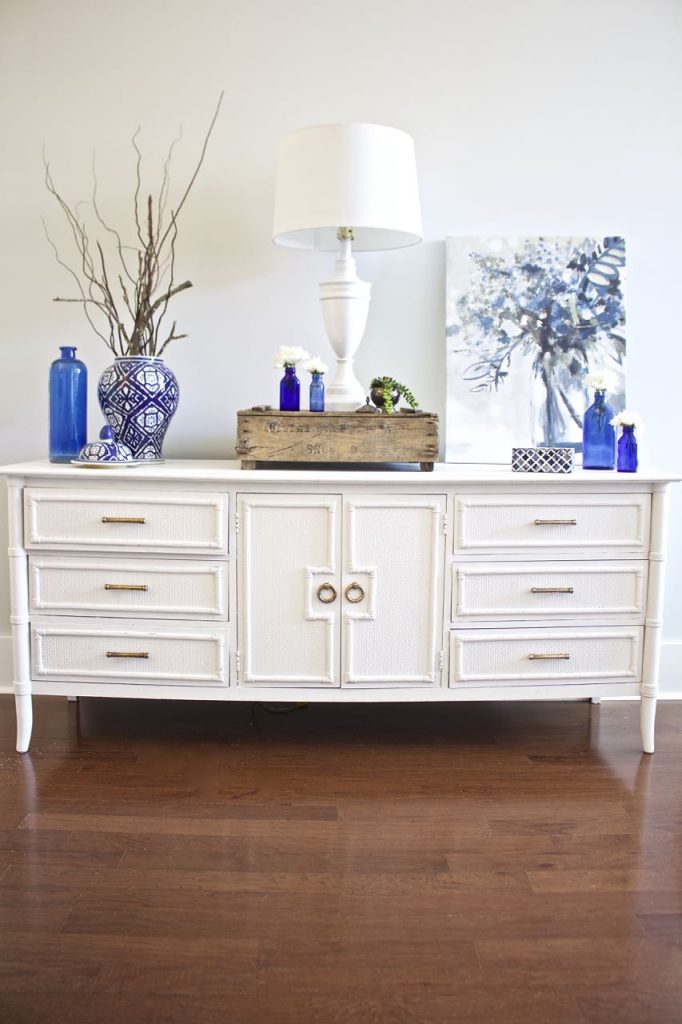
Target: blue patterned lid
(107,449)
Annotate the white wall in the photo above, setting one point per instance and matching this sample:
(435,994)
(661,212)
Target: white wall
(531,116)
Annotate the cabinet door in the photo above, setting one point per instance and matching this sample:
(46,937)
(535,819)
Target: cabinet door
(393,590)
(288,620)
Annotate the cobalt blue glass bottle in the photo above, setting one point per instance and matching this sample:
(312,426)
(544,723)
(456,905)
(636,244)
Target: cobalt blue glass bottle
(627,450)
(289,390)
(316,403)
(68,406)
(599,437)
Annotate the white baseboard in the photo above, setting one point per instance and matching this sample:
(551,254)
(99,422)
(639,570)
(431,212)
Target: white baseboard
(671,668)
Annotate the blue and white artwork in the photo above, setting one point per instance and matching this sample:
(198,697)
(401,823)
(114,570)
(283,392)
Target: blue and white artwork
(528,319)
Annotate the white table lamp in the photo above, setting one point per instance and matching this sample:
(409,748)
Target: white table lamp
(339,186)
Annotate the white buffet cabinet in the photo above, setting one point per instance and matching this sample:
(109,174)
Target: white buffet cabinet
(197,580)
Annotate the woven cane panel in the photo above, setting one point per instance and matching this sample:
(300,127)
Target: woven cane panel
(181,657)
(498,522)
(174,587)
(502,591)
(393,553)
(284,634)
(171,521)
(506,657)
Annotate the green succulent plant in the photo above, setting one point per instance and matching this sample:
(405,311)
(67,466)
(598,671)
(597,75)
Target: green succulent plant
(388,385)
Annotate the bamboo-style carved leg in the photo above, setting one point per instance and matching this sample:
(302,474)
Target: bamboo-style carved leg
(24,710)
(653,623)
(647,722)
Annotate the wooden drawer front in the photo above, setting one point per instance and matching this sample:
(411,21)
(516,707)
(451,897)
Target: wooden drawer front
(524,655)
(136,521)
(550,590)
(498,522)
(105,652)
(112,586)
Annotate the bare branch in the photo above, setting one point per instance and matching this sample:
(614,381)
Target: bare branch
(107,227)
(196,171)
(138,182)
(165,181)
(144,280)
(84,300)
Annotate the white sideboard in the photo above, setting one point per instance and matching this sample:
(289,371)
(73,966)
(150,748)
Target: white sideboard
(197,580)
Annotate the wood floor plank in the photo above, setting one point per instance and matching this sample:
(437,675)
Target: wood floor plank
(165,861)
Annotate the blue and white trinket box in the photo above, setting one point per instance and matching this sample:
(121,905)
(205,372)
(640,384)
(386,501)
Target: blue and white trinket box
(542,460)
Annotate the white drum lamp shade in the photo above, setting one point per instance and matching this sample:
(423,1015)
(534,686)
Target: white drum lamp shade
(362,176)
(341,186)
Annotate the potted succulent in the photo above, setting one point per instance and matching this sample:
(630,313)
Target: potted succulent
(125,289)
(386,392)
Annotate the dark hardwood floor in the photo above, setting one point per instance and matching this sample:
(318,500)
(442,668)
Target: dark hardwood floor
(507,864)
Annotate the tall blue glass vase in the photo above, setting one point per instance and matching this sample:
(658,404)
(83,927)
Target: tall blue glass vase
(627,451)
(289,391)
(599,437)
(316,403)
(68,392)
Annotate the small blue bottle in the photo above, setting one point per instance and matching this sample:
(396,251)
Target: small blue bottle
(289,390)
(316,403)
(68,406)
(599,437)
(627,451)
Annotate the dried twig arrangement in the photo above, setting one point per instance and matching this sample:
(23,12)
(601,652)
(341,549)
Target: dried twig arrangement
(127,307)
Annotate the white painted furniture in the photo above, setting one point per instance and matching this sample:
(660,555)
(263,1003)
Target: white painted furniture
(198,580)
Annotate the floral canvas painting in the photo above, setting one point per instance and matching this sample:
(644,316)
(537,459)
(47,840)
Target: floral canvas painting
(528,319)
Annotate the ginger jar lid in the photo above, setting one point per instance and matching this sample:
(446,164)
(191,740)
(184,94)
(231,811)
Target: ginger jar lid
(107,449)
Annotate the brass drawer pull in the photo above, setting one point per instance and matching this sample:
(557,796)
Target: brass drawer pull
(549,657)
(356,589)
(326,593)
(556,522)
(126,586)
(124,519)
(551,590)
(127,654)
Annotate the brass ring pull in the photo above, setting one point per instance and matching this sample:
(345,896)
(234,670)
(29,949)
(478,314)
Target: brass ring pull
(354,588)
(326,593)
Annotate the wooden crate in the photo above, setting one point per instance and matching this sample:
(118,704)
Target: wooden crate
(272,436)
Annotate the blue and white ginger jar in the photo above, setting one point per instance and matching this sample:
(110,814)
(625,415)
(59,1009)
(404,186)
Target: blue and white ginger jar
(138,396)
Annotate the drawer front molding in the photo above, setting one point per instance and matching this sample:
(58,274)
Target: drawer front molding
(525,656)
(552,522)
(134,521)
(112,586)
(539,590)
(111,654)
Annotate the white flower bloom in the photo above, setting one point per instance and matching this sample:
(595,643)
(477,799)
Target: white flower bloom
(289,355)
(599,381)
(627,419)
(315,365)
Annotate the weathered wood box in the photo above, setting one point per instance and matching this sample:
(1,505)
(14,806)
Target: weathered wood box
(271,436)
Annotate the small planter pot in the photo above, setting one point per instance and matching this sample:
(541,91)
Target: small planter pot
(377,396)
(138,396)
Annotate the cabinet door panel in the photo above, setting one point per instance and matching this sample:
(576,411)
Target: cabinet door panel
(288,546)
(392,613)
